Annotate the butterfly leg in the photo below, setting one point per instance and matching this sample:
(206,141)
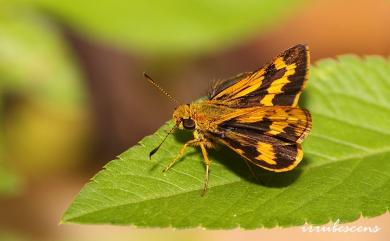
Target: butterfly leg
(181,153)
(207,163)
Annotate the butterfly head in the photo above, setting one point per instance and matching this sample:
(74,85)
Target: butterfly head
(183,118)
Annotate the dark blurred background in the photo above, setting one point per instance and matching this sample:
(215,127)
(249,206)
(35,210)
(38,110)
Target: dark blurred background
(72,94)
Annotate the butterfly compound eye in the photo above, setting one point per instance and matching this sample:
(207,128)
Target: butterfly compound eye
(189,124)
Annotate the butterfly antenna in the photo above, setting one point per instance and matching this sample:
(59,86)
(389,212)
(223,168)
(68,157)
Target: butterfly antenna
(150,80)
(158,147)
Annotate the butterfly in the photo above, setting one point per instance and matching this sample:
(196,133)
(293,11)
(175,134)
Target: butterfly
(256,114)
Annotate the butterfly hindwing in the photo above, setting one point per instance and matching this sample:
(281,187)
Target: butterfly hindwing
(268,136)
(277,83)
(265,151)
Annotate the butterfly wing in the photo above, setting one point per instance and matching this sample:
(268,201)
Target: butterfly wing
(277,83)
(266,126)
(268,137)
(267,152)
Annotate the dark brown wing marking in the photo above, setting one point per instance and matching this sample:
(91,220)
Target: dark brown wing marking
(277,83)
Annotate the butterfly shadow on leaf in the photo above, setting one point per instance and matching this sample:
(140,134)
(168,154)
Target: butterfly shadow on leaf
(252,173)
(236,164)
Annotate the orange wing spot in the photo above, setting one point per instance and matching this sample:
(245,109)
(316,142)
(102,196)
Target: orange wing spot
(267,100)
(277,127)
(277,85)
(279,63)
(267,153)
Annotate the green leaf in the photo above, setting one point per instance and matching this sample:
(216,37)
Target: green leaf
(173,27)
(344,174)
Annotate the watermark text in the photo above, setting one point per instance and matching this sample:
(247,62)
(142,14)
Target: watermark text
(340,228)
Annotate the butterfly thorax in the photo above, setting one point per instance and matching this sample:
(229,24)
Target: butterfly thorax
(202,115)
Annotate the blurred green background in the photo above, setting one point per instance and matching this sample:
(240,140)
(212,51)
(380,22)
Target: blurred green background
(72,95)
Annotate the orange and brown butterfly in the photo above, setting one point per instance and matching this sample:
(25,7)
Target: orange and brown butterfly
(256,114)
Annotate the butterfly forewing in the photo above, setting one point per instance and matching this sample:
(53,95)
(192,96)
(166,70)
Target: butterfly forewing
(287,123)
(277,83)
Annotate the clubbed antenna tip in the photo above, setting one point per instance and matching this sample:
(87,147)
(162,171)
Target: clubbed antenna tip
(150,80)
